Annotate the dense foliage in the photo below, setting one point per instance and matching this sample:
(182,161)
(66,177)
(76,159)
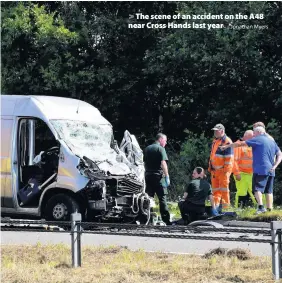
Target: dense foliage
(150,80)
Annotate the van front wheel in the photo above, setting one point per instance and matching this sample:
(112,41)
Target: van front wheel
(60,207)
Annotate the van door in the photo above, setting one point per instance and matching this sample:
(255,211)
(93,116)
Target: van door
(6,173)
(37,155)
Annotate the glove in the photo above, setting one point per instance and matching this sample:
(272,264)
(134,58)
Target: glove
(214,212)
(165,181)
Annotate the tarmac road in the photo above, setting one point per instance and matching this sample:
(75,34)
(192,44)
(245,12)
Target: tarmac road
(150,244)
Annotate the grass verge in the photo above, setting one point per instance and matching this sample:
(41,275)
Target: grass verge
(247,214)
(51,263)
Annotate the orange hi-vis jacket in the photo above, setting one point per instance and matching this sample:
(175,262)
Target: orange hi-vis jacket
(221,160)
(243,160)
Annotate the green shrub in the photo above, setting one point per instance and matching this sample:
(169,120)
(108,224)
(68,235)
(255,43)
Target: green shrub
(194,152)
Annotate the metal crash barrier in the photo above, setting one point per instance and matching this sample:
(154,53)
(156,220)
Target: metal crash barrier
(276,235)
(76,228)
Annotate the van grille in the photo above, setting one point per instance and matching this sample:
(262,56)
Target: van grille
(129,187)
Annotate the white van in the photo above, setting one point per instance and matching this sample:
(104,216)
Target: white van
(58,156)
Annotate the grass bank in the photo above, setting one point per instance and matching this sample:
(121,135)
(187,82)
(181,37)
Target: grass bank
(247,214)
(51,263)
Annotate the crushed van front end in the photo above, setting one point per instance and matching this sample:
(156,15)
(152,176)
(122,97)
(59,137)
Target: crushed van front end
(114,198)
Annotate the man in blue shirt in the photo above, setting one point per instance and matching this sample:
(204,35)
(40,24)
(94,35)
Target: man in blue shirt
(264,152)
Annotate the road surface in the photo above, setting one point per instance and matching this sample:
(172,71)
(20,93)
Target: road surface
(187,246)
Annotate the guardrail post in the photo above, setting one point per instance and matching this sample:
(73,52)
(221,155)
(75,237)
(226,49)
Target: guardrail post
(75,239)
(280,251)
(276,228)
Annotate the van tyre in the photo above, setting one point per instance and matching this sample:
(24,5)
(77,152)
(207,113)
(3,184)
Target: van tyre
(60,207)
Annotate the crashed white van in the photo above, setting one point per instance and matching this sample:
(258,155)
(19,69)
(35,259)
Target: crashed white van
(58,156)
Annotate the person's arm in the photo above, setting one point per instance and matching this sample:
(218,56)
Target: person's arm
(164,159)
(233,145)
(164,167)
(188,188)
(278,159)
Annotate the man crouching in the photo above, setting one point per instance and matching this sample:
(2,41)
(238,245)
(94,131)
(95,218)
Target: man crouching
(192,206)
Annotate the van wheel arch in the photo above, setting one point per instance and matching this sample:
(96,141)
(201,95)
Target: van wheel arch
(71,196)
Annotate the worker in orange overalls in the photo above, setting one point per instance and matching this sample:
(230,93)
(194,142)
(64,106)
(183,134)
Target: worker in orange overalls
(221,167)
(243,170)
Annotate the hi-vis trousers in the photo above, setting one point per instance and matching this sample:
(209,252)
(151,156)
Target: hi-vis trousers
(220,188)
(243,187)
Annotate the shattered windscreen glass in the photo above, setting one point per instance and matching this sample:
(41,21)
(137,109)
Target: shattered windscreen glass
(85,138)
(93,141)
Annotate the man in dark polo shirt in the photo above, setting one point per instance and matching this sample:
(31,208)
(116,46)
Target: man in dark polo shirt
(156,173)
(192,206)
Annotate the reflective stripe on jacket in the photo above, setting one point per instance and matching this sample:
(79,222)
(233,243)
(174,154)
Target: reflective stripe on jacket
(243,160)
(222,160)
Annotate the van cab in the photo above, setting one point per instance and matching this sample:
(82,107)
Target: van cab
(58,156)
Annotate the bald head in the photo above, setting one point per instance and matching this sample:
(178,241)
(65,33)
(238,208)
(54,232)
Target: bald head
(248,135)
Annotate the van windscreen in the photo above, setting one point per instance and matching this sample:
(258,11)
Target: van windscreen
(86,138)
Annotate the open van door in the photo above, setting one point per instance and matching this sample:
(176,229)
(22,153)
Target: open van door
(37,155)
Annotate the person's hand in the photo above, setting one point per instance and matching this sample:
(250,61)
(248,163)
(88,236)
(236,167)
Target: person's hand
(214,212)
(238,177)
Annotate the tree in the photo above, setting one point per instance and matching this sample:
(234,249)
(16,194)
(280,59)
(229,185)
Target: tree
(147,80)
(34,50)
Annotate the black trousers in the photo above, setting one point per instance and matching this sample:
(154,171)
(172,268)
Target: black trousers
(191,212)
(153,186)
